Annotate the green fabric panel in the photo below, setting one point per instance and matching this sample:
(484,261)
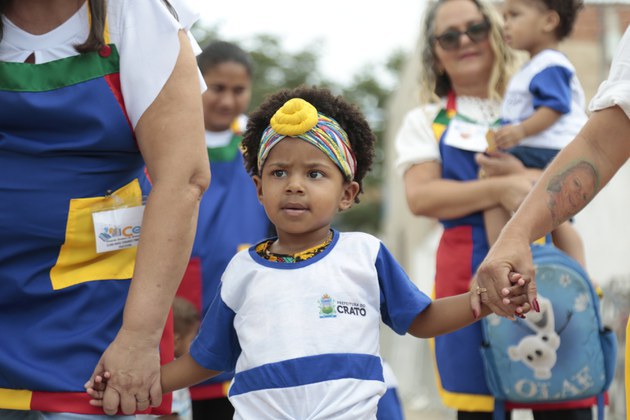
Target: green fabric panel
(442,118)
(27,77)
(227,152)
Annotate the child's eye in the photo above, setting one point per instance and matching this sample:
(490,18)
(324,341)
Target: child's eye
(315,174)
(278,173)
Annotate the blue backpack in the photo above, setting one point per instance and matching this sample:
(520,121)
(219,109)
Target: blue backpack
(561,353)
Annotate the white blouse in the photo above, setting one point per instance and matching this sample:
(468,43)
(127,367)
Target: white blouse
(616,90)
(144,32)
(415,141)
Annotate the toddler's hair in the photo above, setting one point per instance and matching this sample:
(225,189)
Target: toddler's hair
(567,11)
(185,315)
(219,52)
(349,117)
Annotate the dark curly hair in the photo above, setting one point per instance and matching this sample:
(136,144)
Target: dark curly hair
(349,117)
(567,10)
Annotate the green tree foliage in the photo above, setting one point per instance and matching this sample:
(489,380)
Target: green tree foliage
(275,68)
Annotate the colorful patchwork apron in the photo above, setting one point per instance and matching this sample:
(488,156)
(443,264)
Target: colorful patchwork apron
(67,150)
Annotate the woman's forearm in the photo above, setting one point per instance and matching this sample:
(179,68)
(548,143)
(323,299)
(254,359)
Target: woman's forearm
(168,231)
(576,175)
(448,199)
(171,138)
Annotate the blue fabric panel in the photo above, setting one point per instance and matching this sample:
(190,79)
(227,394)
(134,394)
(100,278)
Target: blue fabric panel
(401,301)
(459,165)
(55,146)
(216,346)
(389,406)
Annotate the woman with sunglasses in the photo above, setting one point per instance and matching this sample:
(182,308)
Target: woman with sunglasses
(466,68)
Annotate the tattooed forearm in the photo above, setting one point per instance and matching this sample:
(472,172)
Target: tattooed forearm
(571,190)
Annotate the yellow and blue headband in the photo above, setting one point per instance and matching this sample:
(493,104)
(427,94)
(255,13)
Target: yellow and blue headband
(298,118)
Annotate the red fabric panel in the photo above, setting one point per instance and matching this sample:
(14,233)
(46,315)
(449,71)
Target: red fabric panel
(453,276)
(208,392)
(190,287)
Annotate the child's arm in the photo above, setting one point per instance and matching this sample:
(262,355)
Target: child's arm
(182,372)
(511,135)
(451,313)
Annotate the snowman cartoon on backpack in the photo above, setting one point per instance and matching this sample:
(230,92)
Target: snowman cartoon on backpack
(538,351)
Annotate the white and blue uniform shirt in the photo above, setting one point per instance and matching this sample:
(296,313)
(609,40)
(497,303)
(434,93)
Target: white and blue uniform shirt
(303,337)
(549,80)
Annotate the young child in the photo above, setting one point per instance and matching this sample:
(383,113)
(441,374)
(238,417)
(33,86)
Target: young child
(543,107)
(298,316)
(230,216)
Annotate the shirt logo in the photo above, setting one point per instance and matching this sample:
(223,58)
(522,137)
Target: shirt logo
(330,308)
(327,307)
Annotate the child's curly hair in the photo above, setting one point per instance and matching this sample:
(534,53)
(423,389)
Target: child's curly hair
(349,117)
(567,11)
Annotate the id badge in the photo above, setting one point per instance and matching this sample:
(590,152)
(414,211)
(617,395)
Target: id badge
(118,228)
(466,135)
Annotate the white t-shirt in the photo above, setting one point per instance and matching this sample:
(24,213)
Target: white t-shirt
(304,337)
(616,89)
(548,80)
(144,32)
(416,142)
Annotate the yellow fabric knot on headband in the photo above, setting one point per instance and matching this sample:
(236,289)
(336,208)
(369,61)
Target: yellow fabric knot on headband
(295,117)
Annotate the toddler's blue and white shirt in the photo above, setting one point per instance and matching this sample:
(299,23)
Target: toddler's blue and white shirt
(304,337)
(549,80)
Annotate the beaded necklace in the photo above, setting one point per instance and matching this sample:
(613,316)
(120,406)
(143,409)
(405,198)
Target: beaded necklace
(263,250)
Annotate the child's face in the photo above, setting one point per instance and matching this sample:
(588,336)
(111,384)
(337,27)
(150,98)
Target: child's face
(302,190)
(228,94)
(526,24)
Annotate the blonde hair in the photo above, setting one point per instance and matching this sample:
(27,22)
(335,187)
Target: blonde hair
(435,85)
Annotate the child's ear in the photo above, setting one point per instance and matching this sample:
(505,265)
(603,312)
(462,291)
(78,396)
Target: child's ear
(258,183)
(349,193)
(552,20)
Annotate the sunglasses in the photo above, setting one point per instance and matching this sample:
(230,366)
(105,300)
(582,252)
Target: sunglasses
(450,40)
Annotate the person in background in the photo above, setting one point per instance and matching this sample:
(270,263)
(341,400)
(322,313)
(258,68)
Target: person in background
(570,182)
(466,67)
(543,108)
(298,315)
(230,216)
(87,104)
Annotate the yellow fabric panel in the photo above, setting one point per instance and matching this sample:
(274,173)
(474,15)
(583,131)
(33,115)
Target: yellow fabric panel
(15,399)
(438,130)
(78,261)
(226,387)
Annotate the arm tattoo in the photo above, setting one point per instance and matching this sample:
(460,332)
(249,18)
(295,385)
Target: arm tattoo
(571,190)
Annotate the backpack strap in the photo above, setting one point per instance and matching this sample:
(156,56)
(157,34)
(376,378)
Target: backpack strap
(600,406)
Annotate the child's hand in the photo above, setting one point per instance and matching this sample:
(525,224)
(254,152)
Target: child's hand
(509,136)
(517,294)
(96,389)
